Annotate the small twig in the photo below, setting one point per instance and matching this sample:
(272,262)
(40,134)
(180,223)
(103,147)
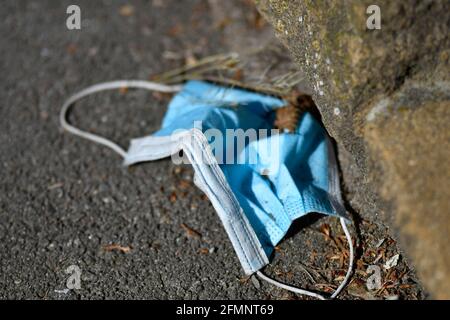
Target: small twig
(307,273)
(112,247)
(191,233)
(211,68)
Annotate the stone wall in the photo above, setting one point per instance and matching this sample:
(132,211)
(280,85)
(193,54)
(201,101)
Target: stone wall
(384,96)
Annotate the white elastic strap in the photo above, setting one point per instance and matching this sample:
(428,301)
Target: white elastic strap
(313,294)
(141,84)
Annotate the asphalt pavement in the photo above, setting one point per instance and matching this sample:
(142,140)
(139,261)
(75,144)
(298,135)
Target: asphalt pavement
(145,232)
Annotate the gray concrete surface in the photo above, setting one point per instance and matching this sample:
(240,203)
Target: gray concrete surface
(63,199)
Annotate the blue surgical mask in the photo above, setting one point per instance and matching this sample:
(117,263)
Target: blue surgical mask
(258,179)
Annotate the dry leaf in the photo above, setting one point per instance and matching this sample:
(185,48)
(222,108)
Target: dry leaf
(123,90)
(392,262)
(258,20)
(160,96)
(177,170)
(325,229)
(286,118)
(244,279)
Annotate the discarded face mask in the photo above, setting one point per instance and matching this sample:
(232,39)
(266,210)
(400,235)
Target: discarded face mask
(259,184)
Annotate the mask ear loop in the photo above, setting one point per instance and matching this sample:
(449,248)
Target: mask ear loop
(136,84)
(313,294)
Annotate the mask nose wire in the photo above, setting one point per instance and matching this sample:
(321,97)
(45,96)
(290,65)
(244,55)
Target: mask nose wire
(135,84)
(313,294)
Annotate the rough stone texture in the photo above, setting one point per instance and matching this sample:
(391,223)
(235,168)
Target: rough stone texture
(384,96)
